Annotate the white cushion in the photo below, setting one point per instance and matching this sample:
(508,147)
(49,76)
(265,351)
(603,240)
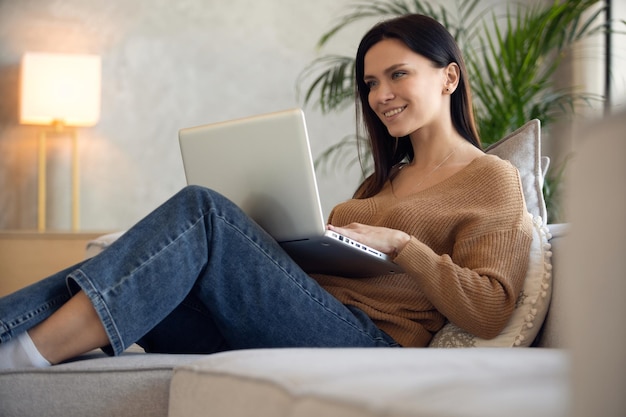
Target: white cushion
(373,382)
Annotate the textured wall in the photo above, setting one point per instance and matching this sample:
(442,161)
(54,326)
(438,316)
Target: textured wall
(166,65)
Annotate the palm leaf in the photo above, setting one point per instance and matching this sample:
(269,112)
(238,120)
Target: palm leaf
(334,85)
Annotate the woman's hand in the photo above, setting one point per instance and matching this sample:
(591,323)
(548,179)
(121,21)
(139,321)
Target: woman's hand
(383,239)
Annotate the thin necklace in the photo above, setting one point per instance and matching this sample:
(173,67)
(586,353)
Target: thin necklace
(433,170)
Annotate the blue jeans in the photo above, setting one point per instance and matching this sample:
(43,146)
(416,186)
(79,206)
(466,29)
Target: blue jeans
(197,276)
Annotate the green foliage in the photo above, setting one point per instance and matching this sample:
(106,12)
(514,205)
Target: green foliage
(335,84)
(512,69)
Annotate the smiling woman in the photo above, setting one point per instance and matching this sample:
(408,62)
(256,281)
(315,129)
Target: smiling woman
(414,95)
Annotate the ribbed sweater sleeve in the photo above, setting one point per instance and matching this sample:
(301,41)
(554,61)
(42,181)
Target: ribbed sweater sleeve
(465,262)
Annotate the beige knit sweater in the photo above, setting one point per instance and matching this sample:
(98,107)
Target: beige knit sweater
(466,260)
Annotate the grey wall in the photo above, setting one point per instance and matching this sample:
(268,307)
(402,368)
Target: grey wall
(166,65)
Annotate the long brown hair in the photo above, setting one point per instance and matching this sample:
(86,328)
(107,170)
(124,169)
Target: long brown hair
(426,37)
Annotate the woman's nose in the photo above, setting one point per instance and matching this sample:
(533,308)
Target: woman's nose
(384,93)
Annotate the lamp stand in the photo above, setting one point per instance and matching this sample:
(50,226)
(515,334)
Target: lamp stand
(42,180)
(75,183)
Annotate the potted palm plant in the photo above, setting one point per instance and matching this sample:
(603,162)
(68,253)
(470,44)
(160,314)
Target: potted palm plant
(512,56)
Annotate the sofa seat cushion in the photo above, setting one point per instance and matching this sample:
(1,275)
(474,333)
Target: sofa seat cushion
(373,382)
(134,384)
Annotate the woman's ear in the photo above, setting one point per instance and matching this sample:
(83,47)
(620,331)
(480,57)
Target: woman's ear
(452,75)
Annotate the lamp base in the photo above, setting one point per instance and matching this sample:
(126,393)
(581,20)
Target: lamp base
(42,177)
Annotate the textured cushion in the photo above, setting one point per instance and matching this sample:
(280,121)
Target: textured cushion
(523,149)
(530,309)
(134,384)
(373,382)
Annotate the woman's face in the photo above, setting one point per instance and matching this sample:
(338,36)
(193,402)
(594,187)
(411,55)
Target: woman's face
(406,91)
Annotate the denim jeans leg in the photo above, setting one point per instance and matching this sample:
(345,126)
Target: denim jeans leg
(259,301)
(199,246)
(33,304)
(188,329)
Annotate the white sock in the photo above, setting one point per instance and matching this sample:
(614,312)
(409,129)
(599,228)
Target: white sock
(21,353)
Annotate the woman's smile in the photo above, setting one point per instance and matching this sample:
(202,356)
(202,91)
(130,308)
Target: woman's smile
(389,114)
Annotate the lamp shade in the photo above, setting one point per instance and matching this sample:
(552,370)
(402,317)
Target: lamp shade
(60,88)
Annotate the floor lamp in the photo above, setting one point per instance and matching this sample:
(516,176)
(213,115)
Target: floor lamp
(61,92)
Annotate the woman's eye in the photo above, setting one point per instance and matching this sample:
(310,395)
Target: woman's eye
(398,74)
(371,84)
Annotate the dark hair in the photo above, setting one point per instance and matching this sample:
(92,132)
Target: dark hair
(427,37)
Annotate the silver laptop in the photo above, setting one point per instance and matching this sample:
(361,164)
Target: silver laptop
(263,164)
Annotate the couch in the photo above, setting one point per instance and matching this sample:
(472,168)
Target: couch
(306,382)
(534,368)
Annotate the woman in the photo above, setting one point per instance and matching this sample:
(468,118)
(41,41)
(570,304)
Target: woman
(198,276)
